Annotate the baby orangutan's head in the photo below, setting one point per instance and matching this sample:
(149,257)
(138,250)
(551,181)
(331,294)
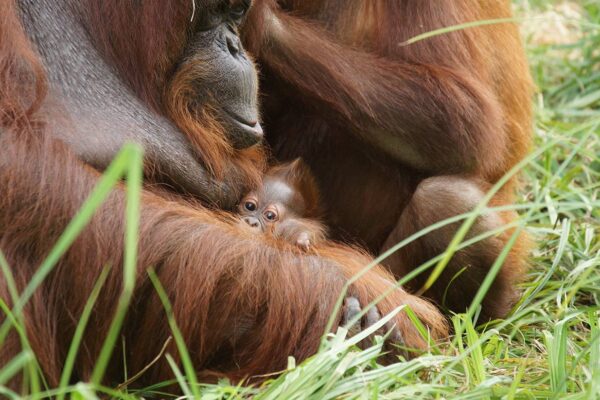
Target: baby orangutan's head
(286,206)
(289,191)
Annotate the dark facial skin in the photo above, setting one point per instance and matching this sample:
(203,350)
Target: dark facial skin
(229,81)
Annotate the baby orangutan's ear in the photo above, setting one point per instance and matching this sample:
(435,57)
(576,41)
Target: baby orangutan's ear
(298,175)
(296,171)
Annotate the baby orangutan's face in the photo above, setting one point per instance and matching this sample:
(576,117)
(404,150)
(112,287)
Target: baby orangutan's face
(286,206)
(273,203)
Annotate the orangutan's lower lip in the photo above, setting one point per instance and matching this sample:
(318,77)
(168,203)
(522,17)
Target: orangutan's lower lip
(252,127)
(243,133)
(243,121)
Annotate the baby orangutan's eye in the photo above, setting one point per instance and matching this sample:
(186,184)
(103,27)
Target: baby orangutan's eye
(250,205)
(271,216)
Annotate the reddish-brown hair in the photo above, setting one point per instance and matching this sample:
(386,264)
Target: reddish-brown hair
(242,303)
(402,133)
(146,53)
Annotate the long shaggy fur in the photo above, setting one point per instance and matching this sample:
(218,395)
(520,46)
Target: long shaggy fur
(375,117)
(243,303)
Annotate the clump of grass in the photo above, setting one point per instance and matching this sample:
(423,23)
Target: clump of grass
(548,347)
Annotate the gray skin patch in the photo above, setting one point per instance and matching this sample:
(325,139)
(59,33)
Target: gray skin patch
(229,79)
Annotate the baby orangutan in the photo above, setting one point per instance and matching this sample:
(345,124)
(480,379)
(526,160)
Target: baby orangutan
(286,205)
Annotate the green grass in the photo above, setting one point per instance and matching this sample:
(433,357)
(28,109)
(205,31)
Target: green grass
(548,347)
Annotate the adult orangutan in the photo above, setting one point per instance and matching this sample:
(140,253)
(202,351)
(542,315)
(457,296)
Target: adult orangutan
(80,78)
(402,136)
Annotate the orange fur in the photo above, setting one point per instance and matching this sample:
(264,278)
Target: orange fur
(376,117)
(243,303)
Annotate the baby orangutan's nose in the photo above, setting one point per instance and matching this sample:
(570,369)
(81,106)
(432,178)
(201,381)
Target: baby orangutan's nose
(252,221)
